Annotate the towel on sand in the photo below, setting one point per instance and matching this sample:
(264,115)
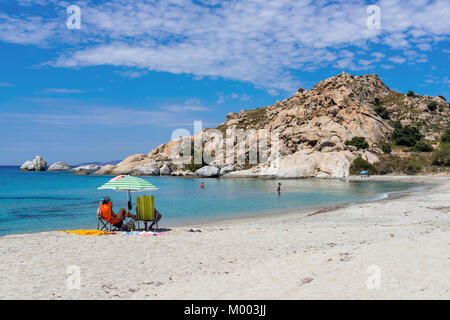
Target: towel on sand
(143,233)
(88,232)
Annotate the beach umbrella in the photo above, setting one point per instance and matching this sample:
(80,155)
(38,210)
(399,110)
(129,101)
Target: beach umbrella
(128,184)
(364,172)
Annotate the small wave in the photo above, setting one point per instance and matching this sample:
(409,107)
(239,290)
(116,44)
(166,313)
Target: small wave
(381,196)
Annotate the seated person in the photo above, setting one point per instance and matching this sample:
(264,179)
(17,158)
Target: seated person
(106,212)
(158,217)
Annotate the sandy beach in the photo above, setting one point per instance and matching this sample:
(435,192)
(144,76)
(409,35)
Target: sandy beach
(395,248)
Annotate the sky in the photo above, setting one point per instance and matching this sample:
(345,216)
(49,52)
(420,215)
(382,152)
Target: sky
(119,77)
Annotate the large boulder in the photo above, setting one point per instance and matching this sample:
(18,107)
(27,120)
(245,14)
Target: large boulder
(208,172)
(146,170)
(182,173)
(106,170)
(165,170)
(128,165)
(59,166)
(38,164)
(228,168)
(27,166)
(303,165)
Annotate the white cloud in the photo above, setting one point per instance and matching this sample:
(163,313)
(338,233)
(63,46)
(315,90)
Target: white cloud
(397,59)
(190,105)
(6,84)
(63,90)
(446,81)
(133,74)
(245,40)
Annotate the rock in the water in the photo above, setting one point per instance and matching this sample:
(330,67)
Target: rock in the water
(27,166)
(82,172)
(38,164)
(208,172)
(165,170)
(90,167)
(181,173)
(59,166)
(228,168)
(146,170)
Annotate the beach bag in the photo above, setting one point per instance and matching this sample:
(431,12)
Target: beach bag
(129,225)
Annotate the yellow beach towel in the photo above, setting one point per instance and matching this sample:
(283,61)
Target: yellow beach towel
(88,232)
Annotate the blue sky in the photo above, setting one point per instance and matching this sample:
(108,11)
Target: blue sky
(137,70)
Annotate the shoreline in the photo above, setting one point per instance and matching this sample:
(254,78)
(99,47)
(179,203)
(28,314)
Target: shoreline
(322,255)
(289,211)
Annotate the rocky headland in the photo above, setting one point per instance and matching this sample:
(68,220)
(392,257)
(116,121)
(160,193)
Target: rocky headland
(323,131)
(342,125)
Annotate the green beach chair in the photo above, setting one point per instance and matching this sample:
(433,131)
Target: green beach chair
(145,210)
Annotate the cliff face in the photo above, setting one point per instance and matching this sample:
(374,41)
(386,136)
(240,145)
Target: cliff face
(315,124)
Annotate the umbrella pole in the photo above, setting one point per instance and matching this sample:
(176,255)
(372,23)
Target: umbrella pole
(130,205)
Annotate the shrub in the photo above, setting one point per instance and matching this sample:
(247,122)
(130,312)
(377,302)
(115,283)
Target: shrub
(446,136)
(359,164)
(395,124)
(382,112)
(358,142)
(432,106)
(443,98)
(405,136)
(410,93)
(441,156)
(192,167)
(421,147)
(386,148)
(394,164)
(377,102)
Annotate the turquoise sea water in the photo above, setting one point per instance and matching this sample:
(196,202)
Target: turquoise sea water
(42,201)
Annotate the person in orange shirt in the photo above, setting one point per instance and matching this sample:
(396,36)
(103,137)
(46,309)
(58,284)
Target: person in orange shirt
(106,212)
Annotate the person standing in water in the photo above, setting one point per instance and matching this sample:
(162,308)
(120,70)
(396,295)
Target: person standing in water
(279,188)
(202,186)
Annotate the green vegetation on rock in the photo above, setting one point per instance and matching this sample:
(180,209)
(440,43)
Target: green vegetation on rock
(382,112)
(405,135)
(358,142)
(446,136)
(386,148)
(432,106)
(421,147)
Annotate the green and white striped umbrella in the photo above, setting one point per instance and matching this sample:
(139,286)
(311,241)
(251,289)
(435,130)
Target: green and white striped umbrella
(128,183)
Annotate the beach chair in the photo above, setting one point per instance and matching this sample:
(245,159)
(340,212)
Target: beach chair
(107,223)
(145,210)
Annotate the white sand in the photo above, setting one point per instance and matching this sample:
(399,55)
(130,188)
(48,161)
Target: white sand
(295,256)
